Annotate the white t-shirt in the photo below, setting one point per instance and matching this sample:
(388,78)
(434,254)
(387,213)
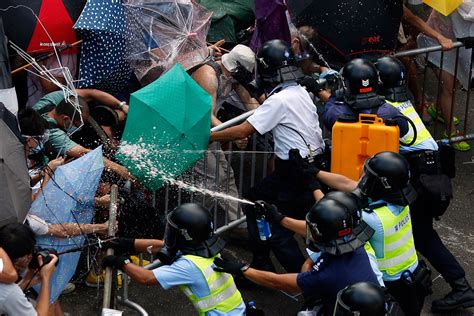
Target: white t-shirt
(13,302)
(294,108)
(37,224)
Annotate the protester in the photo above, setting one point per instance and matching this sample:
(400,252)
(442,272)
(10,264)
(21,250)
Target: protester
(188,251)
(8,273)
(343,260)
(291,116)
(428,166)
(18,241)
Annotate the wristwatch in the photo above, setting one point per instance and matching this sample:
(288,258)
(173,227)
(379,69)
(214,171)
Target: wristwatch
(244,268)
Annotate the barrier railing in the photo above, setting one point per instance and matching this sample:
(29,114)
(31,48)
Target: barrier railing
(251,168)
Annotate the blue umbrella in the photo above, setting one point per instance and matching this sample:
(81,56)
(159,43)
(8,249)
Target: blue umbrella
(68,197)
(103,29)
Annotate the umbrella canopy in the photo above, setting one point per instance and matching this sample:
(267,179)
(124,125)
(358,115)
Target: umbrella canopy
(7,91)
(348,28)
(167,128)
(68,198)
(15,192)
(228,18)
(104,32)
(164,33)
(271,23)
(57,17)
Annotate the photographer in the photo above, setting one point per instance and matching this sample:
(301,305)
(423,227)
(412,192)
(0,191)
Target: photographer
(18,241)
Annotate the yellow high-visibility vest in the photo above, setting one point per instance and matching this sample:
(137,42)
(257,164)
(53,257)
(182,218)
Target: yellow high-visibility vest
(223,296)
(407,109)
(398,243)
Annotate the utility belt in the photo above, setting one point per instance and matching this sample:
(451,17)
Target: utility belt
(432,184)
(420,279)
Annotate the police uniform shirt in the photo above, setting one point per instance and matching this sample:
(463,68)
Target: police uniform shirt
(184,272)
(377,240)
(335,109)
(290,105)
(330,274)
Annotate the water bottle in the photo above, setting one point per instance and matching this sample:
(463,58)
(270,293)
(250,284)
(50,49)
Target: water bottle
(263,228)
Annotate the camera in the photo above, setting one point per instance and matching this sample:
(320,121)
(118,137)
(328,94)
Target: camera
(44,253)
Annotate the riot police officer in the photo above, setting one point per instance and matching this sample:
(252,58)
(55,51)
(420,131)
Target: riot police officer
(430,179)
(330,228)
(189,249)
(291,116)
(359,95)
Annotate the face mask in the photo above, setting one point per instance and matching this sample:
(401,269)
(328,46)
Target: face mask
(38,149)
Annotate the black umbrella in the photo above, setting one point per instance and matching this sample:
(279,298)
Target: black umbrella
(349,28)
(7,91)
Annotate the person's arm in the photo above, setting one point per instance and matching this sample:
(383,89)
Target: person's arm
(249,102)
(146,245)
(78,151)
(8,273)
(285,282)
(103,98)
(307,265)
(296,225)
(422,26)
(140,275)
(337,181)
(45,273)
(207,79)
(240,131)
(73,229)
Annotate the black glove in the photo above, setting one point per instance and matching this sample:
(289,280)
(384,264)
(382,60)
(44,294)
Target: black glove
(116,262)
(270,211)
(232,267)
(120,245)
(312,84)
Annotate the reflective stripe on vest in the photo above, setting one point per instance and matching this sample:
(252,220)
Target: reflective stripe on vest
(399,246)
(223,296)
(407,109)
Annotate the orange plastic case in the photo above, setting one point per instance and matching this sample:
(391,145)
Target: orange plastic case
(354,141)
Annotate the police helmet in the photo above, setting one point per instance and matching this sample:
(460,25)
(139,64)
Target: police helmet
(386,177)
(393,79)
(363,298)
(190,230)
(360,77)
(330,224)
(276,62)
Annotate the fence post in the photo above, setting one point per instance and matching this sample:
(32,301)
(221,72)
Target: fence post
(109,291)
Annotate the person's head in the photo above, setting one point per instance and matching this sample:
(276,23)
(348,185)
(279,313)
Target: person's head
(393,79)
(330,223)
(386,176)
(33,129)
(240,61)
(360,77)
(303,41)
(18,241)
(363,298)
(190,230)
(276,63)
(68,116)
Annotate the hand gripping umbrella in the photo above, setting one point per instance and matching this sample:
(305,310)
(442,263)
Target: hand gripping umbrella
(68,198)
(167,129)
(164,33)
(15,192)
(57,16)
(104,32)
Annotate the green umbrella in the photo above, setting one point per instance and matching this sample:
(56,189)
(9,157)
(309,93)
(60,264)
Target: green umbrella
(167,128)
(228,18)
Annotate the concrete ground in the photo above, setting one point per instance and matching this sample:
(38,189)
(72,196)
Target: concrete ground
(455,228)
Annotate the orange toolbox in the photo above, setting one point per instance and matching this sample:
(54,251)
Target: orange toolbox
(353,141)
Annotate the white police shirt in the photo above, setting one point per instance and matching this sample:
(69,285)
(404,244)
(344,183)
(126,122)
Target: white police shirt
(285,112)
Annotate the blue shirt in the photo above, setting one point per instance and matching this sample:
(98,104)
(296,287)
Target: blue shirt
(184,272)
(336,109)
(330,274)
(376,241)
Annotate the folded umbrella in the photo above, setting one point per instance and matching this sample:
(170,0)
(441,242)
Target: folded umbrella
(7,91)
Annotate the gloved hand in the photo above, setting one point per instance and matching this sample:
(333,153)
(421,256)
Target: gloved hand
(233,267)
(242,75)
(120,245)
(270,211)
(312,84)
(114,261)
